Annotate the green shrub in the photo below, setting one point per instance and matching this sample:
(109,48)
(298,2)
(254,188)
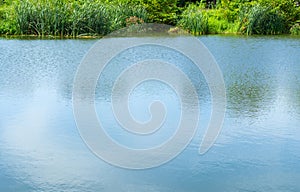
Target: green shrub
(286,8)
(199,20)
(221,21)
(295,29)
(7,24)
(162,11)
(217,26)
(159,11)
(268,16)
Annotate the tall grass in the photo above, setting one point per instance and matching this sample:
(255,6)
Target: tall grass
(73,18)
(100,17)
(249,18)
(195,20)
(199,20)
(264,20)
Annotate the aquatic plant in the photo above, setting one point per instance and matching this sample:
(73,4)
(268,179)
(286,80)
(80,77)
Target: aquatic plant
(195,20)
(64,18)
(264,20)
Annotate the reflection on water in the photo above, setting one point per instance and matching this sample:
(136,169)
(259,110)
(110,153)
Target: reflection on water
(258,149)
(250,94)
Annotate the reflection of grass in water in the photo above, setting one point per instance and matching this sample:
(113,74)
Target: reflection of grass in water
(249,95)
(297,100)
(246,97)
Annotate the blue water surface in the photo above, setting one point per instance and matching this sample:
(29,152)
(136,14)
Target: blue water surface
(257,150)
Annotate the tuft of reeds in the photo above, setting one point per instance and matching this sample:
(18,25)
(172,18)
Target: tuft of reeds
(72,18)
(264,20)
(194,20)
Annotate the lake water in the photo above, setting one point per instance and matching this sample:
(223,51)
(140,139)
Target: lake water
(257,150)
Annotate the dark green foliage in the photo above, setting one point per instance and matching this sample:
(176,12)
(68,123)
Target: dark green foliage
(162,11)
(263,20)
(159,11)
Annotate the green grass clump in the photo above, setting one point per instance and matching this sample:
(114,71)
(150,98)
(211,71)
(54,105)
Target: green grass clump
(265,21)
(263,17)
(64,18)
(195,20)
(199,20)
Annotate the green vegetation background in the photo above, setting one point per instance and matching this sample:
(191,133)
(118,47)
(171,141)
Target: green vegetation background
(100,17)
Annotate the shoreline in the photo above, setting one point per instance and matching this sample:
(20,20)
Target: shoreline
(92,37)
(48,37)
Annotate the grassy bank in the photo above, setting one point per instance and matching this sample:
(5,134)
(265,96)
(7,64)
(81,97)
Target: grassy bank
(68,18)
(264,17)
(73,18)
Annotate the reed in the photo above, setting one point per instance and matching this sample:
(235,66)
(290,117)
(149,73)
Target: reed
(199,20)
(264,20)
(73,18)
(194,20)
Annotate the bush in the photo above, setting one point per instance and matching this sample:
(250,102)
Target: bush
(286,8)
(199,20)
(268,16)
(7,23)
(221,21)
(295,29)
(162,11)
